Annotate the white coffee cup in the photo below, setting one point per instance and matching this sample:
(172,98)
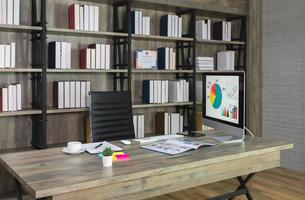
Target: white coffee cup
(74,147)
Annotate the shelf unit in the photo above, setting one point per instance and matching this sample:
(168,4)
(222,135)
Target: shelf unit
(122,70)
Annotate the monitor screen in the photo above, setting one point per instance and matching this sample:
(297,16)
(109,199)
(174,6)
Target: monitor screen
(223,98)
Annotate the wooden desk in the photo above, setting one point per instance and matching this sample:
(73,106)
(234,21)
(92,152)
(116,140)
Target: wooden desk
(53,175)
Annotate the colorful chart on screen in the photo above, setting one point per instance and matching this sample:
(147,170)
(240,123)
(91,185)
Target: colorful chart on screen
(215,96)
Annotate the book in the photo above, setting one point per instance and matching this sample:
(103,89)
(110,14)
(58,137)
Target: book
(81,18)
(7,57)
(93,59)
(88,88)
(18,97)
(147,91)
(175,146)
(226,60)
(72,94)
(163,58)
(10,12)
(67,94)
(54,54)
(74,16)
(134,22)
(16,13)
(146,59)
(165,25)
(138,123)
(13,55)
(77,94)
(91,18)
(3,16)
(2,56)
(96,18)
(107,56)
(83,94)
(4,99)
(85,58)
(86,18)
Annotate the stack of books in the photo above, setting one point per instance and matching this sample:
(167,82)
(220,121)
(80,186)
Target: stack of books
(169,123)
(166,58)
(140,24)
(178,91)
(71,94)
(84,17)
(96,56)
(10,98)
(8,55)
(203,29)
(205,63)
(145,59)
(222,31)
(155,91)
(225,60)
(171,26)
(10,12)
(138,124)
(59,55)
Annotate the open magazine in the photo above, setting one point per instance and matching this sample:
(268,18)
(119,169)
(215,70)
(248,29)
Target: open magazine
(175,146)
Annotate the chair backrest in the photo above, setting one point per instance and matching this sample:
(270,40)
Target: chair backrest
(111,116)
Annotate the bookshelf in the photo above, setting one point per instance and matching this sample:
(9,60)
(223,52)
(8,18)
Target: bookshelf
(122,76)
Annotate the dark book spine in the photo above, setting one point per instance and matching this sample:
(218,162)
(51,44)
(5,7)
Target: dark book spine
(51,54)
(217,31)
(72,17)
(164,25)
(161,58)
(160,123)
(83,58)
(1,97)
(55,94)
(145,91)
(133,22)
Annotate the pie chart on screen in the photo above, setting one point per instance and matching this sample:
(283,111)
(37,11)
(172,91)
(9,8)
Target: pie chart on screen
(215,96)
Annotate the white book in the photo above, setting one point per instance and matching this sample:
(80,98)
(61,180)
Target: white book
(107,55)
(88,89)
(10,98)
(103,56)
(173,25)
(63,55)
(96,18)
(166,92)
(180,27)
(144,25)
(163,88)
(7,61)
(81,17)
(181,124)
(14,97)
(209,29)
(58,55)
(16,18)
(176,26)
(151,91)
(77,16)
(77,94)
(166,124)
(98,64)
(61,93)
(9,12)
(169,25)
(88,58)
(155,94)
(72,94)
(229,31)
(170,58)
(140,22)
(2,56)
(136,22)
(159,91)
(199,30)
(147,25)
(224,28)
(67,94)
(91,18)
(174,60)
(175,119)
(187,88)
(135,125)
(4,99)
(19,97)
(83,94)
(173,91)
(142,127)
(13,55)
(3,12)
(167,58)
(93,59)
(68,55)
(86,18)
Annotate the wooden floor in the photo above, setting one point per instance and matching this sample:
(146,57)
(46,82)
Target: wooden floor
(275,184)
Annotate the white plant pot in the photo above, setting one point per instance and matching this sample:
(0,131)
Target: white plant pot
(107,161)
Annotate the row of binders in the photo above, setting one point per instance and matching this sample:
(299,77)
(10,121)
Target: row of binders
(166,58)
(138,124)
(96,56)
(10,12)
(225,60)
(59,55)
(203,30)
(164,91)
(140,24)
(171,26)
(84,17)
(71,94)
(169,123)
(222,30)
(205,63)
(10,98)
(8,55)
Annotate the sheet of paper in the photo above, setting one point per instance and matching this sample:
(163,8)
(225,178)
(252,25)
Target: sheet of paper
(90,147)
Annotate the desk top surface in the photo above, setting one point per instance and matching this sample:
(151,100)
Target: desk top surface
(50,172)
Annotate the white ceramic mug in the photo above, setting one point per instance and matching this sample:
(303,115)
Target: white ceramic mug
(74,147)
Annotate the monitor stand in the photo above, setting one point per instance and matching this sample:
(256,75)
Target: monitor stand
(201,133)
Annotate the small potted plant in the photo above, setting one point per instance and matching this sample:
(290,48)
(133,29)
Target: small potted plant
(107,157)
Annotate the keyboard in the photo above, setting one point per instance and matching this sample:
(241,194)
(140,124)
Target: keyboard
(157,138)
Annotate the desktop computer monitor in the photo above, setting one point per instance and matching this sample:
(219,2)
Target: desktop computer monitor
(224,102)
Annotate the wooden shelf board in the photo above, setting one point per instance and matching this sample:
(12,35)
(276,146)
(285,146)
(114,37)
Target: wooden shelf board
(19,28)
(220,42)
(64,31)
(161,105)
(68,110)
(158,37)
(152,71)
(86,71)
(20,70)
(20,113)
(217,71)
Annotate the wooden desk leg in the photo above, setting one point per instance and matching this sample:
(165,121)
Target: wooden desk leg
(241,190)
(18,190)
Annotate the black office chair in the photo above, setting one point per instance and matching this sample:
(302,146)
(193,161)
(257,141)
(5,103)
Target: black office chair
(111,116)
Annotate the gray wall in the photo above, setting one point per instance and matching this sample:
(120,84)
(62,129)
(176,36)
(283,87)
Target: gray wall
(284,77)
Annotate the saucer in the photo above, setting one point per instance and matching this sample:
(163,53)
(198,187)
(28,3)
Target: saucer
(65,150)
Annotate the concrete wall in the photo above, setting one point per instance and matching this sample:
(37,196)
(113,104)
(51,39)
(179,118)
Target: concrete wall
(283,72)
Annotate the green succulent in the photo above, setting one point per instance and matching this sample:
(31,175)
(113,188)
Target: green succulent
(107,152)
